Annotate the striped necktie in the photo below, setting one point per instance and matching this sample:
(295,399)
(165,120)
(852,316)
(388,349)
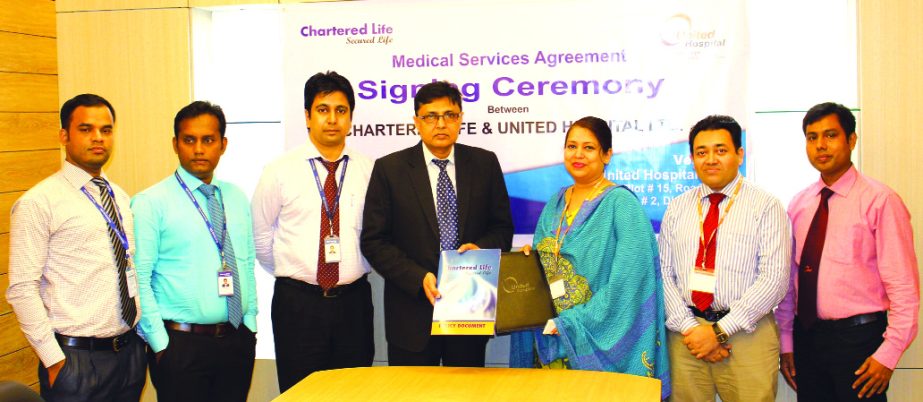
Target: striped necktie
(126,303)
(216,215)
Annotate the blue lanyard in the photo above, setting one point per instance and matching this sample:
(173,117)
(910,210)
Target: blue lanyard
(336,202)
(123,237)
(208,224)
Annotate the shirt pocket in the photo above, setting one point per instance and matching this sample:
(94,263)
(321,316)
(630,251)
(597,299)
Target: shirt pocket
(738,249)
(846,245)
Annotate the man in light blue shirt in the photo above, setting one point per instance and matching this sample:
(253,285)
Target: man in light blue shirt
(195,262)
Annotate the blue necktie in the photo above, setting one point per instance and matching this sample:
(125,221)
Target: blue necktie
(129,312)
(216,215)
(446,208)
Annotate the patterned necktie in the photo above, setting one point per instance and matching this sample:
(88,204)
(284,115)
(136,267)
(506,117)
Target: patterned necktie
(216,215)
(446,208)
(126,303)
(328,274)
(809,267)
(703,300)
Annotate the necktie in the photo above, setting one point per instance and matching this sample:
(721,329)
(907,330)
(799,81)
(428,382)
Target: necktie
(809,267)
(328,274)
(216,215)
(703,300)
(446,208)
(126,303)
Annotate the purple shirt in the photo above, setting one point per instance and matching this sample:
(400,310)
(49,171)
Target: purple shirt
(868,263)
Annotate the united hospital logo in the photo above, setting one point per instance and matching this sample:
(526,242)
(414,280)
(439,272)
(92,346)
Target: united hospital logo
(368,33)
(679,31)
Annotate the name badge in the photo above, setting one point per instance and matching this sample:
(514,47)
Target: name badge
(331,249)
(225,283)
(131,279)
(702,281)
(557,288)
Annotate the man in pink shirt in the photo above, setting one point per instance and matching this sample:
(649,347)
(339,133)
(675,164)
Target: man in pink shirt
(851,309)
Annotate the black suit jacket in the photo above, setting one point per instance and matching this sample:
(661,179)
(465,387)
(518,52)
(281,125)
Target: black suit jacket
(400,233)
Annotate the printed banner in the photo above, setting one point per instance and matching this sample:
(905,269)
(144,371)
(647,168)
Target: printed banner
(526,71)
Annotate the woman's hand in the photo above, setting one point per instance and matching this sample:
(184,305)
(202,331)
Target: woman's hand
(526,249)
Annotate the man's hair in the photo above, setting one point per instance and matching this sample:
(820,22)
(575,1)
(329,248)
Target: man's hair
(716,122)
(196,109)
(436,90)
(325,83)
(85,100)
(598,127)
(819,111)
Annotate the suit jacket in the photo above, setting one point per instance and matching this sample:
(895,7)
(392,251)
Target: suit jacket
(400,233)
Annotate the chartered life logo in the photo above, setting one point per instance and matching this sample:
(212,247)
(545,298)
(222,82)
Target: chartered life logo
(367,33)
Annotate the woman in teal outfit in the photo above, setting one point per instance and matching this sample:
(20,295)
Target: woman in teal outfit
(594,238)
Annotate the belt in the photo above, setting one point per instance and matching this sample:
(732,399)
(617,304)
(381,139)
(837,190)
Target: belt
(114,343)
(219,330)
(849,322)
(331,293)
(709,314)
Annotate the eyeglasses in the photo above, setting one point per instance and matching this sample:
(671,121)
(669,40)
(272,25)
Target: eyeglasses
(449,117)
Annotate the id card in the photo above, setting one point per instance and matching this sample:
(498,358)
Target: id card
(702,281)
(557,288)
(225,283)
(131,279)
(331,249)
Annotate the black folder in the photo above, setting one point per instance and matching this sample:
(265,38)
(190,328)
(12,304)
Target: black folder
(523,296)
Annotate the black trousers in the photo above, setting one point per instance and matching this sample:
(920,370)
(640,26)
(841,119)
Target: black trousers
(826,360)
(197,367)
(314,333)
(98,375)
(450,350)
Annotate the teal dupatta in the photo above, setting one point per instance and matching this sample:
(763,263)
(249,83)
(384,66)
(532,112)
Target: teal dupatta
(612,317)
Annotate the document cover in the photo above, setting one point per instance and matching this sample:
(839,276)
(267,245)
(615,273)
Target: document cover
(468,285)
(523,299)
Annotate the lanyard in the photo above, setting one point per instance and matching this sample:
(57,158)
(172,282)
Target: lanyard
(711,236)
(123,237)
(558,237)
(208,224)
(330,212)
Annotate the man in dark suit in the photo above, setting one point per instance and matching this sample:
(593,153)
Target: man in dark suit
(436,195)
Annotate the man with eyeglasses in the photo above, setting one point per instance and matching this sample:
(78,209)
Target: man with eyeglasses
(307,214)
(434,196)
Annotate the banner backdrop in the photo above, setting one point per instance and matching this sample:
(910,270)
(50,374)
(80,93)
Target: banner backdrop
(526,71)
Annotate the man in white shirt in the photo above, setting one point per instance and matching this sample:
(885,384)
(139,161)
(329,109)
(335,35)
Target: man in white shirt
(307,217)
(72,283)
(724,252)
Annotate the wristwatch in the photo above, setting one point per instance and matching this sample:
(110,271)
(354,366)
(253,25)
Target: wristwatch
(719,333)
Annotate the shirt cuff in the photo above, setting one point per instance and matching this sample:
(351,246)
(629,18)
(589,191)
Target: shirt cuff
(50,353)
(250,322)
(786,342)
(729,326)
(687,324)
(158,340)
(888,354)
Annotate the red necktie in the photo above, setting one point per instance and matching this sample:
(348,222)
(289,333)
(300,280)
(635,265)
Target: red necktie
(328,274)
(809,267)
(703,300)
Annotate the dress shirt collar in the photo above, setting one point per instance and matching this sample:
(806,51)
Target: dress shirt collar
(842,186)
(311,152)
(428,156)
(728,190)
(76,176)
(191,181)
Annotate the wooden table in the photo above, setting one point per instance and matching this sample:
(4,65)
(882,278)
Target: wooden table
(470,384)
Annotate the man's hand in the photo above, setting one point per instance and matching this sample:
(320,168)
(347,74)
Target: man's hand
(468,246)
(701,340)
(721,353)
(53,371)
(875,376)
(429,287)
(787,367)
